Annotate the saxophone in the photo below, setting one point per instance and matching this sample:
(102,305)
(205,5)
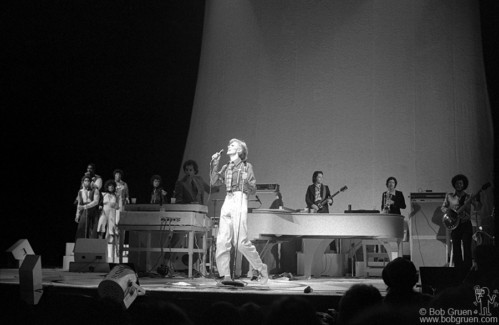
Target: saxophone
(388,197)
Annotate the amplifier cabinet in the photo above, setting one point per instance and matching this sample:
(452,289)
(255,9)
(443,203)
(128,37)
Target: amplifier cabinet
(428,237)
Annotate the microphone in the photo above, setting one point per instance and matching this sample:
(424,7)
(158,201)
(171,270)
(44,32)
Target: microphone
(258,199)
(219,153)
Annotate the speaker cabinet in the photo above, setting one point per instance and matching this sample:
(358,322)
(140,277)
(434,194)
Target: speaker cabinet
(30,279)
(90,255)
(90,250)
(20,249)
(428,237)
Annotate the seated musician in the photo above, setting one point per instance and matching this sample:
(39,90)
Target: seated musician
(277,203)
(318,197)
(191,187)
(392,200)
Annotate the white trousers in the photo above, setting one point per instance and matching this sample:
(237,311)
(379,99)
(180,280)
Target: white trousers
(232,230)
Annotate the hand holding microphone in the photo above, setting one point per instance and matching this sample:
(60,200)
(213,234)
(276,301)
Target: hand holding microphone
(216,156)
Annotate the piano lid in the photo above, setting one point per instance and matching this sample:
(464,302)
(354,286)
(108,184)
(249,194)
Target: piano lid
(362,211)
(167,207)
(276,211)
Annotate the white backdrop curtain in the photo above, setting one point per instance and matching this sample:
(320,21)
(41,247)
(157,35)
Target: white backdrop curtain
(361,90)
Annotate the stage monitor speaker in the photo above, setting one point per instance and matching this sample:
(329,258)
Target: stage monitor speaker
(428,237)
(20,249)
(89,250)
(436,279)
(30,279)
(121,284)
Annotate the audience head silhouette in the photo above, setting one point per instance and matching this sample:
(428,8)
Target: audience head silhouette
(222,313)
(400,274)
(357,299)
(292,310)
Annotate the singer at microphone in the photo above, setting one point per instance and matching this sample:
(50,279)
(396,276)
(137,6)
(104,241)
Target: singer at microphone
(239,181)
(217,155)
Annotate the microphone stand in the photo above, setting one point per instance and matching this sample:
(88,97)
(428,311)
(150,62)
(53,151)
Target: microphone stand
(233,282)
(213,242)
(256,200)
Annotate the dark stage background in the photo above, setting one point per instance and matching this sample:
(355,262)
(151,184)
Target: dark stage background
(113,83)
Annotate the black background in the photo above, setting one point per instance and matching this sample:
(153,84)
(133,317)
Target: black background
(108,82)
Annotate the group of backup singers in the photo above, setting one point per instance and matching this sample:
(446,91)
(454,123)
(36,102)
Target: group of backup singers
(97,211)
(97,214)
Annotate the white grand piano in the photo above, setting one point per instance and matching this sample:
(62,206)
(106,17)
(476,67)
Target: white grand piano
(388,229)
(146,219)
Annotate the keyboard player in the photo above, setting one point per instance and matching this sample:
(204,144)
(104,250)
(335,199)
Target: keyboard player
(191,187)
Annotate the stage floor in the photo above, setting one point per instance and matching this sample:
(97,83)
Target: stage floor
(323,286)
(196,295)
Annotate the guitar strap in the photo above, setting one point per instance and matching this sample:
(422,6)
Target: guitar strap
(462,199)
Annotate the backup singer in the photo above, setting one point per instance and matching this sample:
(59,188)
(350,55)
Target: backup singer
(121,189)
(392,200)
(464,231)
(239,179)
(318,197)
(87,209)
(96,181)
(158,195)
(107,226)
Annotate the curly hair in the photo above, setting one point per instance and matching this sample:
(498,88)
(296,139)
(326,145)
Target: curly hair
(109,182)
(460,177)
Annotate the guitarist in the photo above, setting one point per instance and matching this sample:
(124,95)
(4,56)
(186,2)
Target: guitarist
(464,231)
(318,197)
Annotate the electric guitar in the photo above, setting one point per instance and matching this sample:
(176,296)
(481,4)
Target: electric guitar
(456,213)
(320,203)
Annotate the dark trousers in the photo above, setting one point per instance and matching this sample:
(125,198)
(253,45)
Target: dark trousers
(462,233)
(87,226)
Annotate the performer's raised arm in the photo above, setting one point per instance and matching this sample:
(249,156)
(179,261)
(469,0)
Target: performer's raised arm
(217,177)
